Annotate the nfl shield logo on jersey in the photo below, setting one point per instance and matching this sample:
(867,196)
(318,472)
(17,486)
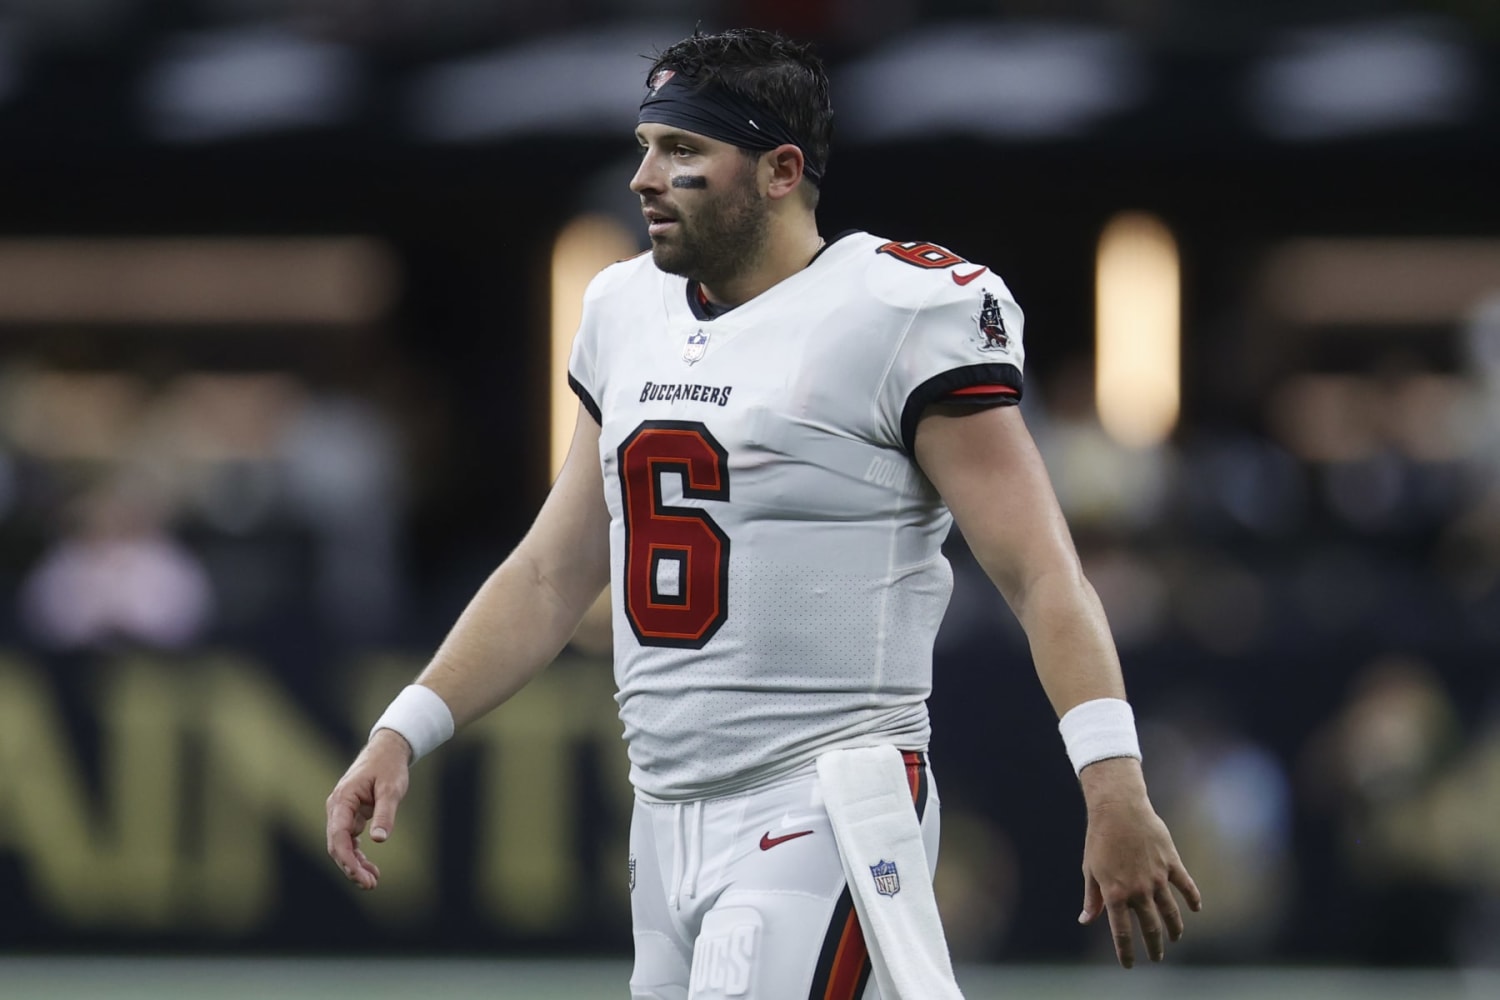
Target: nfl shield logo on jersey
(697,344)
(887,879)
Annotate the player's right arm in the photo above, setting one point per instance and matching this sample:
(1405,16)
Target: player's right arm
(516,624)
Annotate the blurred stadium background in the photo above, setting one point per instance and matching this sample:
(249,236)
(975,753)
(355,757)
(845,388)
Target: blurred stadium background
(283,285)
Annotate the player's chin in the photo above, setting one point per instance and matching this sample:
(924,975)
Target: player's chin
(666,236)
(668,256)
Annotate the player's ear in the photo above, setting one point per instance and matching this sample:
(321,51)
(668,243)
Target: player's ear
(783,170)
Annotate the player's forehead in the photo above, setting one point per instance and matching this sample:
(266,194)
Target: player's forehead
(657,133)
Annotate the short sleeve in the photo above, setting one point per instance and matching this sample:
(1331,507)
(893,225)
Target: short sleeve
(583,370)
(963,346)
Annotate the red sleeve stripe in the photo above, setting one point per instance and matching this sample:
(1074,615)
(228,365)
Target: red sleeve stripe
(985,390)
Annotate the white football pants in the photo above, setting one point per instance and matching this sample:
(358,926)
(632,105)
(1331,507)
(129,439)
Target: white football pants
(745,896)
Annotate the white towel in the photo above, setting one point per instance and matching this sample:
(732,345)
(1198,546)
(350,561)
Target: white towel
(885,862)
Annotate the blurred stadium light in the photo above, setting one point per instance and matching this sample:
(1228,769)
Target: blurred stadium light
(584,82)
(585,246)
(1358,78)
(1381,281)
(1016,81)
(217,85)
(1139,330)
(346,281)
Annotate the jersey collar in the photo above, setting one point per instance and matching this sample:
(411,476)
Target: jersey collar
(705,310)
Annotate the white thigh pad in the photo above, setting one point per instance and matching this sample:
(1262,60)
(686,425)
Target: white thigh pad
(725,954)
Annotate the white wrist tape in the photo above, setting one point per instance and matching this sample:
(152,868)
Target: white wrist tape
(1099,730)
(422,718)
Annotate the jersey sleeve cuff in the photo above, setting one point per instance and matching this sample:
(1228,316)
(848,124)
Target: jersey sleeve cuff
(585,399)
(974,385)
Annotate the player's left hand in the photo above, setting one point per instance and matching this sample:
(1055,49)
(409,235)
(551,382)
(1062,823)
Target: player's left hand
(369,791)
(1130,863)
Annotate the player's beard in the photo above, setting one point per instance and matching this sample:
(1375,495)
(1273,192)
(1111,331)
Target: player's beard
(723,237)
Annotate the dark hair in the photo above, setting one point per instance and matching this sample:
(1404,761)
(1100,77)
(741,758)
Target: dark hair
(781,75)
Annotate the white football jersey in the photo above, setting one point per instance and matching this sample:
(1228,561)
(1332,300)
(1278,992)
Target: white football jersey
(776,552)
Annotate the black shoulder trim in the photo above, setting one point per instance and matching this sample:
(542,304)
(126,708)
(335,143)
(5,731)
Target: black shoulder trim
(585,399)
(940,385)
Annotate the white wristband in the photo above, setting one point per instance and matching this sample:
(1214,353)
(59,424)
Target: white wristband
(1099,730)
(422,718)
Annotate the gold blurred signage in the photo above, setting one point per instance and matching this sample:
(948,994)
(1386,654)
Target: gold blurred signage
(208,773)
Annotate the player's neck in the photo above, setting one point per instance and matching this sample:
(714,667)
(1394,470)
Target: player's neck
(790,249)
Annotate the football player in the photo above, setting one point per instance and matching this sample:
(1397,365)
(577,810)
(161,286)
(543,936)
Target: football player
(775,432)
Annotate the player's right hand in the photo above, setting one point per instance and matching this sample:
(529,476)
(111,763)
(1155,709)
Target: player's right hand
(367,795)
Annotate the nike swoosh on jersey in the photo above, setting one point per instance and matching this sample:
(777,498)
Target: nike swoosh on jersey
(767,841)
(964,279)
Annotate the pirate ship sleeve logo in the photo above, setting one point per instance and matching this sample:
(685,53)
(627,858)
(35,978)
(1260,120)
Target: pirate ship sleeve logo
(992,325)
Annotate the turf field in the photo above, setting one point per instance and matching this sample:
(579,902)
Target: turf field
(74,978)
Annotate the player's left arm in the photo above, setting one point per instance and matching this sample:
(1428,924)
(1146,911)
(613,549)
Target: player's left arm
(991,476)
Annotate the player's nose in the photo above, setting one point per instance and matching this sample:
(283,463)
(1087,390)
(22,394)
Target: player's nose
(649,176)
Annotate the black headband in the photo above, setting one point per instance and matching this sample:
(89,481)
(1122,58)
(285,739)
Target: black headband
(720,114)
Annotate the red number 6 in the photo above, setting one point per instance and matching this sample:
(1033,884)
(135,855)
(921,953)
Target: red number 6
(676,558)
